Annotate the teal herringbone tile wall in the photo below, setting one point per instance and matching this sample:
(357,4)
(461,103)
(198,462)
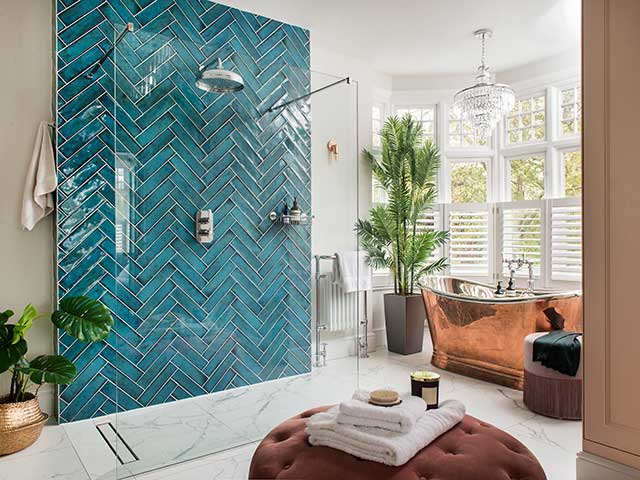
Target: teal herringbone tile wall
(140,150)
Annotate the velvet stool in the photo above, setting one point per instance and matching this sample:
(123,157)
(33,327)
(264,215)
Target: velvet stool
(472,450)
(547,391)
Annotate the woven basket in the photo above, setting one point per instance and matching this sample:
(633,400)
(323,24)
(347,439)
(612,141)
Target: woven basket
(20,424)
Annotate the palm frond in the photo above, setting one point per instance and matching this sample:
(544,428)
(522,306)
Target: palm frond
(407,170)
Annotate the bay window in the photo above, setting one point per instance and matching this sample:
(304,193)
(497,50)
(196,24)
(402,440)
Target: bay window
(514,195)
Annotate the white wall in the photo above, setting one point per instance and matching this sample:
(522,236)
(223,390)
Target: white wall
(26,86)
(341,187)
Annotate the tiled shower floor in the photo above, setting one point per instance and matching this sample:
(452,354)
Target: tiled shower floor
(173,440)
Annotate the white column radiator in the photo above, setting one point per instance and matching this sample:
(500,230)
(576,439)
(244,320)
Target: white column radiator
(338,310)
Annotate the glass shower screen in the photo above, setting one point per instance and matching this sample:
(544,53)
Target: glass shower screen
(220,209)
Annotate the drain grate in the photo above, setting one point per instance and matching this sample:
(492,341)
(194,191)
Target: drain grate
(114,440)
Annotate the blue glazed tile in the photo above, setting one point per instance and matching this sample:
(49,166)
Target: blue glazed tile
(191,318)
(67,34)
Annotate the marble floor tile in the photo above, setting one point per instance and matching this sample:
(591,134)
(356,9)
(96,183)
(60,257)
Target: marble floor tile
(180,440)
(554,442)
(159,436)
(60,464)
(53,438)
(229,465)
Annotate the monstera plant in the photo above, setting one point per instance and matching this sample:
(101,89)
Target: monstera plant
(83,318)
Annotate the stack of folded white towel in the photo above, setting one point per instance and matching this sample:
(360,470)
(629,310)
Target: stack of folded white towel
(389,435)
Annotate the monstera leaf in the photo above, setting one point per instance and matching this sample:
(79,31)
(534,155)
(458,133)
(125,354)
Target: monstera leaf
(86,319)
(5,316)
(25,322)
(50,369)
(10,353)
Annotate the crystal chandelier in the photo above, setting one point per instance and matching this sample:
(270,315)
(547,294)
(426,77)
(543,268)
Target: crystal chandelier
(486,102)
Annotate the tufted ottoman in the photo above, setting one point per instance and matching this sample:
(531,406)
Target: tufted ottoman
(548,392)
(473,450)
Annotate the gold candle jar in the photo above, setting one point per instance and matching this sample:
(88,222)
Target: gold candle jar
(426,385)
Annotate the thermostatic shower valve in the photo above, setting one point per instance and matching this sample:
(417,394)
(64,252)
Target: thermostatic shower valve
(204,226)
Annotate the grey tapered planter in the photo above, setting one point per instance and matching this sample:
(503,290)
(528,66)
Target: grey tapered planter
(404,317)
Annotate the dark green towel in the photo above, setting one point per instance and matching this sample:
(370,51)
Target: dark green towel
(558,350)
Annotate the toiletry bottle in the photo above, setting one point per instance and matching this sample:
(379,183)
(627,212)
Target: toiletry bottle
(511,288)
(286,217)
(499,290)
(295,212)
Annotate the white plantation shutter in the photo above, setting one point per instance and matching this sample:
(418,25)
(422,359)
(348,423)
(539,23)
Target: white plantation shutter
(566,239)
(521,233)
(432,220)
(469,239)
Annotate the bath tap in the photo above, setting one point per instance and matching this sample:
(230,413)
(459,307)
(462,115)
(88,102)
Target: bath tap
(516,264)
(530,282)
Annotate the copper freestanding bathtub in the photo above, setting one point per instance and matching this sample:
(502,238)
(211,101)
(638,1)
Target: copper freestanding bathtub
(477,334)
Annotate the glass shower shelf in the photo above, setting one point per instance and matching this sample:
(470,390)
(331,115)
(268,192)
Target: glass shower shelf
(288,219)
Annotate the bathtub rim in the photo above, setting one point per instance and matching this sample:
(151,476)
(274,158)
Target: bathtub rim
(538,294)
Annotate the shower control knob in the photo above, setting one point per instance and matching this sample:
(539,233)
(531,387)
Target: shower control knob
(204,226)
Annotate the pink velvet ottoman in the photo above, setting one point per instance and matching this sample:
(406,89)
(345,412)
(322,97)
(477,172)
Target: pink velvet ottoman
(473,450)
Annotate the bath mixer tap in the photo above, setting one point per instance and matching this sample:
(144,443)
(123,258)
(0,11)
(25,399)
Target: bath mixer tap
(530,282)
(516,264)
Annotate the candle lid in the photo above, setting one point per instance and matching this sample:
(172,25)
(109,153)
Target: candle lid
(425,375)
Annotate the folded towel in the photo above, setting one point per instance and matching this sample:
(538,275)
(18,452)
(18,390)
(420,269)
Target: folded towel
(351,270)
(379,445)
(400,418)
(41,181)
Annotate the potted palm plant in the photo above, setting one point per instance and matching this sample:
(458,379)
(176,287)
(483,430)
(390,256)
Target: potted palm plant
(394,236)
(21,419)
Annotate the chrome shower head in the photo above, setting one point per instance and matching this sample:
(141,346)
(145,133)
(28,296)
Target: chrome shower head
(219,80)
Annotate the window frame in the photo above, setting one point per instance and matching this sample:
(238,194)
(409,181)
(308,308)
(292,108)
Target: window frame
(561,168)
(448,108)
(384,107)
(504,123)
(508,193)
(451,161)
(558,120)
(422,106)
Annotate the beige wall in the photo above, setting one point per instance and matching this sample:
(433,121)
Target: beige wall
(25,99)
(611,225)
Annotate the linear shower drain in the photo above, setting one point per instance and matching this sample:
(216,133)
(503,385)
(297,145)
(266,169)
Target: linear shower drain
(118,445)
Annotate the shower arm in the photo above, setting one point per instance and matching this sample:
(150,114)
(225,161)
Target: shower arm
(273,108)
(98,64)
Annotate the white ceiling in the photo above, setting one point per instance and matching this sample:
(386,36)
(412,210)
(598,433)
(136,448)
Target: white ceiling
(432,37)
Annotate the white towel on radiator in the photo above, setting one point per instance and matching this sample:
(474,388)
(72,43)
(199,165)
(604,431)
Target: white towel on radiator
(400,418)
(352,271)
(379,445)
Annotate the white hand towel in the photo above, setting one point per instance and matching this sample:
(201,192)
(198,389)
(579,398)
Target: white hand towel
(41,181)
(399,418)
(379,445)
(352,271)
